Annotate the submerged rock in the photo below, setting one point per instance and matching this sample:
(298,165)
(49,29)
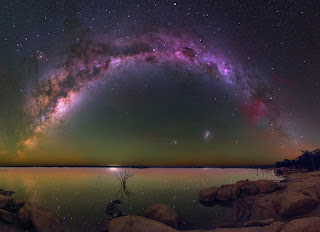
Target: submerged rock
(118,202)
(162,213)
(111,208)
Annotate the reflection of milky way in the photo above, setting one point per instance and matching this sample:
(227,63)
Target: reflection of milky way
(87,61)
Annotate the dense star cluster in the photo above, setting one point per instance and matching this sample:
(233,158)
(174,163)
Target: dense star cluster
(158,83)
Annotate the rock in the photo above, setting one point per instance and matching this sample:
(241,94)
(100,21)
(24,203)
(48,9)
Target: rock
(43,221)
(248,189)
(208,194)
(310,224)
(259,222)
(15,205)
(137,224)
(118,202)
(274,227)
(311,194)
(228,193)
(104,224)
(259,207)
(5,201)
(6,216)
(266,186)
(24,218)
(6,193)
(226,225)
(162,213)
(111,208)
(5,227)
(117,213)
(292,203)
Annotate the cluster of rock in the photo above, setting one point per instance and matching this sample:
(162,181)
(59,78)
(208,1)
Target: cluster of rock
(158,213)
(255,202)
(16,216)
(257,206)
(157,217)
(231,192)
(263,199)
(113,211)
(133,223)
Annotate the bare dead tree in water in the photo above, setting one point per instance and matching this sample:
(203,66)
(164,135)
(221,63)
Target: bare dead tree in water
(124,177)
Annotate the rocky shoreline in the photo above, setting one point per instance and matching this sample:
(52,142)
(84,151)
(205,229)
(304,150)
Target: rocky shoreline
(18,216)
(291,205)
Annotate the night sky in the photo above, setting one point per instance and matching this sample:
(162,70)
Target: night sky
(158,82)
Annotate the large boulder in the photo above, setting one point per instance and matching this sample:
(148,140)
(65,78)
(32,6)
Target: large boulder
(292,203)
(137,224)
(310,224)
(162,213)
(208,194)
(43,221)
(266,186)
(228,193)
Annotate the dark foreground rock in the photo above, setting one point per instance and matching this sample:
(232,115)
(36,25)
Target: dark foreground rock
(259,222)
(17,216)
(43,221)
(140,224)
(162,213)
(134,224)
(311,224)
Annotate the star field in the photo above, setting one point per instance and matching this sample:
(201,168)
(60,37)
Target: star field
(158,83)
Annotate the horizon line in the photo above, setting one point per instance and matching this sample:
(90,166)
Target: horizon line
(137,166)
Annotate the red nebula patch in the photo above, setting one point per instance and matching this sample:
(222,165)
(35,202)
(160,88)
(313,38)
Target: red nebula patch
(254,110)
(289,83)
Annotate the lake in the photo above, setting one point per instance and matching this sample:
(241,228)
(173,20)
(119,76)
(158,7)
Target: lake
(78,196)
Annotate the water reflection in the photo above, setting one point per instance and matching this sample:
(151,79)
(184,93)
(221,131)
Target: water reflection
(78,196)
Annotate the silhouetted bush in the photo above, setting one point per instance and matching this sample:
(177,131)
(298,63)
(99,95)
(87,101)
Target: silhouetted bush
(308,160)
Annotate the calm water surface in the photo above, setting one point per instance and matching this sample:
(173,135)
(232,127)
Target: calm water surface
(78,196)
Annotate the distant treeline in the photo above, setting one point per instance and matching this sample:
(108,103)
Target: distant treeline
(308,160)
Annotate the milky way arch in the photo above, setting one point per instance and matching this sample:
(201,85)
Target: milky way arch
(88,60)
